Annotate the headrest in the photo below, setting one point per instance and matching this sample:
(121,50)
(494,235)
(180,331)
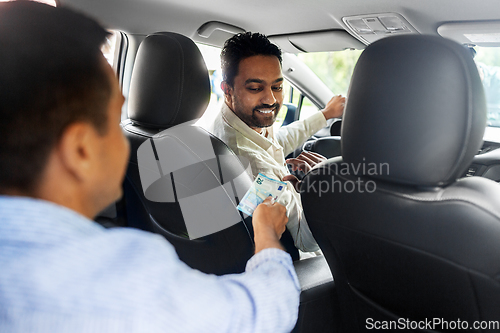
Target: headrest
(416,110)
(169,84)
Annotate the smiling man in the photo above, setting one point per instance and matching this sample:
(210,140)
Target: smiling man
(253,90)
(255,95)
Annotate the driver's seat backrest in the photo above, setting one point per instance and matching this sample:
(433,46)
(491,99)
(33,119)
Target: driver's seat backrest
(182,166)
(403,235)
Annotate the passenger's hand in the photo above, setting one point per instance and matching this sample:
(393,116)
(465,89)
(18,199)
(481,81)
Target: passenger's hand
(269,222)
(335,107)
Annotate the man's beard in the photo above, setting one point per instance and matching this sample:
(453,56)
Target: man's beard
(256,119)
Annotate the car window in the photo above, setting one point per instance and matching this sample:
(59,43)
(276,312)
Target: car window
(287,92)
(333,68)
(211,55)
(488,64)
(294,96)
(109,47)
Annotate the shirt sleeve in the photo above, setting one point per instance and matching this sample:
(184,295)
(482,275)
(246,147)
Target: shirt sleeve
(292,136)
(265,298)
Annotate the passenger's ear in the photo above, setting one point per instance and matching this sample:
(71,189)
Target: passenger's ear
(78,149)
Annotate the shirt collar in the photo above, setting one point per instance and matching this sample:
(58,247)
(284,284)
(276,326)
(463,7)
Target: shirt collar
(235,122)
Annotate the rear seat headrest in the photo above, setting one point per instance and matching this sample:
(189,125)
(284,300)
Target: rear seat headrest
(169,84)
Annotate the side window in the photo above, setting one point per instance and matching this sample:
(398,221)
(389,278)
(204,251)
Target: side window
(333,68)
(307,109)
(488,64)
(114,50)
(287,91)
(211,55)
(110,48)
(299,102)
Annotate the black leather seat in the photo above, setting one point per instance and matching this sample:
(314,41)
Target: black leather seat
(169,88)
(404,236)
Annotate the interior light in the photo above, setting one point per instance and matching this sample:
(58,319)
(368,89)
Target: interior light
(392,23)
(360,26)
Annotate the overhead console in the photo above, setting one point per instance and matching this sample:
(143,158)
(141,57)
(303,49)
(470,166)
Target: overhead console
(371,27)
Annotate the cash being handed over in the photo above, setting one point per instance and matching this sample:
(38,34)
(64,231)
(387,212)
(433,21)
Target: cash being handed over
(261,188)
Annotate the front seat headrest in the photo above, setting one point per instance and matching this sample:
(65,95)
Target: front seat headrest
(169,84)
(416,103)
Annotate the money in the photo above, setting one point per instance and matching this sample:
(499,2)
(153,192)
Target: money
(261,188)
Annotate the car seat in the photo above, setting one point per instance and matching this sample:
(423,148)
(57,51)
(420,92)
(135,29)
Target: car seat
(169,89)
(406,238)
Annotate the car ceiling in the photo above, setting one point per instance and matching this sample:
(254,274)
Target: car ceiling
(276,17)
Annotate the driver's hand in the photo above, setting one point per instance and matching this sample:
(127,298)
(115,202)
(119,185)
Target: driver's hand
(304,162)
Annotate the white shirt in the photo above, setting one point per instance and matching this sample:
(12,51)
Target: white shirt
(266,153)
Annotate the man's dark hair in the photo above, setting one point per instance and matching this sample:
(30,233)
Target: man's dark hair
(51,75)
(241,46)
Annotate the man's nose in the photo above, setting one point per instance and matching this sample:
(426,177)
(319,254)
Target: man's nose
(268,97)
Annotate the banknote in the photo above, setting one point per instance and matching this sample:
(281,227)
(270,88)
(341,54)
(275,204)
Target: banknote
(261,188)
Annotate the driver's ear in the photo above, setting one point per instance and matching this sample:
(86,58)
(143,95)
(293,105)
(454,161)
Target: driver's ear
(228,92)
(77,149)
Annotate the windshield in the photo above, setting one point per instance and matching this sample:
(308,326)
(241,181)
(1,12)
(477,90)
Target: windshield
(488,64)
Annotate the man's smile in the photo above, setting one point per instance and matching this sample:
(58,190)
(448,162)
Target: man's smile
(265,110)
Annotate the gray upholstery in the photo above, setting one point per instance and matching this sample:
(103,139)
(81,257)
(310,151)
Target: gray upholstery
(411,241)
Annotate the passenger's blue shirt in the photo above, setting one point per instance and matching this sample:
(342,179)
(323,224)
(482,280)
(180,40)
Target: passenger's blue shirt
(61,272)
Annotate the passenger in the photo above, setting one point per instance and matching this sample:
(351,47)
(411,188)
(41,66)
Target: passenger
(62,160)
(253,90)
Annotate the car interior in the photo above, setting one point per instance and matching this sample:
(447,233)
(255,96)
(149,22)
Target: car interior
(421,240)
